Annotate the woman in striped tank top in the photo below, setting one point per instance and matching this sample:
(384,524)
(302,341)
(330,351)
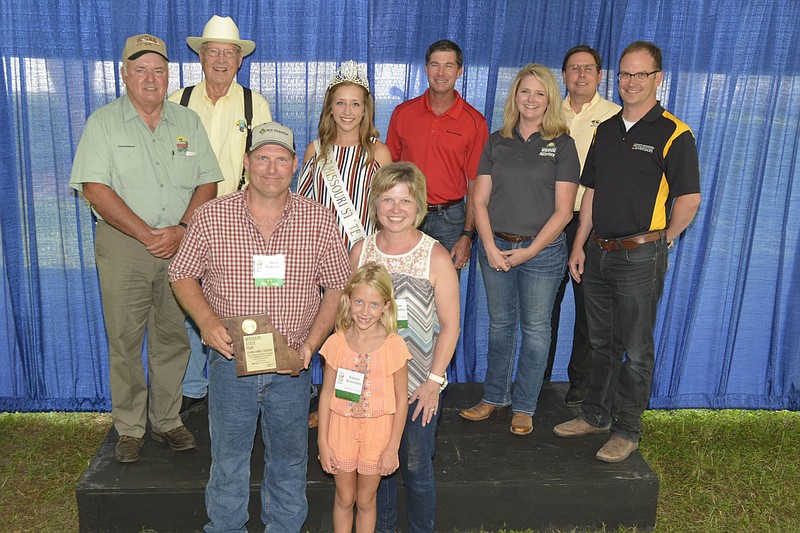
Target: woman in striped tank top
(347,138)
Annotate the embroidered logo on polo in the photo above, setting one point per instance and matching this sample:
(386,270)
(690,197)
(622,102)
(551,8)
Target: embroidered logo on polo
(242,125)
(643,147)
(594,123)
(182,144)
(549,150)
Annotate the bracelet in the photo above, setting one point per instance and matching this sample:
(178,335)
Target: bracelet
(470,234)
(441,380)
(183,224)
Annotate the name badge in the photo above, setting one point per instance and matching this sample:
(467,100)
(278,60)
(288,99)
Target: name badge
(269,270)
(348,385)
(402,313)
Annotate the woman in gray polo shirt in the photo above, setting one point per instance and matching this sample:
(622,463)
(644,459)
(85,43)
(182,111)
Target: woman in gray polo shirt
(524,194)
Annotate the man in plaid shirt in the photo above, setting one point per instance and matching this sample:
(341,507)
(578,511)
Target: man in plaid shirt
(228,242)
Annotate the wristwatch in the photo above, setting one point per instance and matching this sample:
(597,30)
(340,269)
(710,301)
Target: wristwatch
(441,380)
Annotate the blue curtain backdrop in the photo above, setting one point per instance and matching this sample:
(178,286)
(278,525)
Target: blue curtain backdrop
(729,326)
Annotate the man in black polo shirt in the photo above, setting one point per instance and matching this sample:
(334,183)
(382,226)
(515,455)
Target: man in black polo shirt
(642,190)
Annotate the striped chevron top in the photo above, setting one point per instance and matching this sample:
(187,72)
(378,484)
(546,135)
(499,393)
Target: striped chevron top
(410,277)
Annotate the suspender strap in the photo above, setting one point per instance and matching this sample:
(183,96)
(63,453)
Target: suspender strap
(248,117)
(187,93)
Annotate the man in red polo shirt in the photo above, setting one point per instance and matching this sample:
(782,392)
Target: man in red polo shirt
(444,136)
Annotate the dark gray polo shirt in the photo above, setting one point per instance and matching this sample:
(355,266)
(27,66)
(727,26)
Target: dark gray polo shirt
(524,175)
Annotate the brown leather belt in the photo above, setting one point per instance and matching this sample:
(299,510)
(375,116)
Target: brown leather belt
(432,208)
(627,243)
(510,237)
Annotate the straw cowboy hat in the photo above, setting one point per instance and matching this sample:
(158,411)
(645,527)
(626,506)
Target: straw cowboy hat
(221,30)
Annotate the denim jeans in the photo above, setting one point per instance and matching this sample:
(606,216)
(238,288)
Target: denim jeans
(622,289)
(195,382)
(445,226)
(417,449)
(520,298)
(234,405)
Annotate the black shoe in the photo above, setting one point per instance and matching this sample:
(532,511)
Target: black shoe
(574,397)
(192,404)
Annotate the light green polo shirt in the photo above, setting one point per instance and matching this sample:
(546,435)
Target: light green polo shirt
(155,173)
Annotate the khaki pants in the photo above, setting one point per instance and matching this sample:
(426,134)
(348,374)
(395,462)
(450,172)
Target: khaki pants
(137,294)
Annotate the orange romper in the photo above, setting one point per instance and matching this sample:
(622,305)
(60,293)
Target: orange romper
(359,432)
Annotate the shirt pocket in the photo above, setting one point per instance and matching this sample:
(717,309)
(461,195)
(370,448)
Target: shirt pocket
(129,171)
(184,170)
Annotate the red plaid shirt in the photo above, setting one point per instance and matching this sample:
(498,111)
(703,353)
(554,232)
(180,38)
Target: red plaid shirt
(218,250)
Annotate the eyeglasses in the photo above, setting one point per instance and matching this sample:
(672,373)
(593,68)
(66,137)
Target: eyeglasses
(227,54)
(638,76)
(588,69)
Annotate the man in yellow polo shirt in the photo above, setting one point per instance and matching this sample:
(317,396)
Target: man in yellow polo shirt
(221,104)
(584,109)
(144,165)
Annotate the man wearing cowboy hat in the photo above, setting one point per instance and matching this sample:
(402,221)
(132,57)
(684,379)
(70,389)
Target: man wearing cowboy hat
(144,165)
(223,108)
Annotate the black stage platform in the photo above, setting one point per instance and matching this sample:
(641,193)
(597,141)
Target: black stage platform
(486,478)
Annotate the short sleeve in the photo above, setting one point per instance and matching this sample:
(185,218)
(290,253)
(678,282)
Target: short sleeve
(486,162)
(682,167)
(568,166)
(332,351)
(92,161)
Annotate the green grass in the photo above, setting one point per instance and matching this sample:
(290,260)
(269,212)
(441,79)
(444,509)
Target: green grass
(720,471)
(42,455)
(725,470)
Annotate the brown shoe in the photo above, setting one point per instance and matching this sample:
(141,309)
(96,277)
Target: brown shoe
(577,427)
(313,419)
(179,438)
(482,411)
(127,450)
(616,450)
(521,424)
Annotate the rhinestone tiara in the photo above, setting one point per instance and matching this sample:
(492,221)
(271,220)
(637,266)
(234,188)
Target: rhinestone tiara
(351,72)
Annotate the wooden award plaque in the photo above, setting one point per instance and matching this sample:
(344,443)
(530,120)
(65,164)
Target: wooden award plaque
(259,348)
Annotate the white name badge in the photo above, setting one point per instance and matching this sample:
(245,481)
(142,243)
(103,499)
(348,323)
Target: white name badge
(402,313)
(269,270)
(348,385)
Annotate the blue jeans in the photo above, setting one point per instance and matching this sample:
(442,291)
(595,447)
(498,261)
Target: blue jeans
(417,449)
(445,226)
(520,298)
(195,382)
(234,405)
(622,289)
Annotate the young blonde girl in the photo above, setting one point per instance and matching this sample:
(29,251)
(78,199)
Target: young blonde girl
(363,404)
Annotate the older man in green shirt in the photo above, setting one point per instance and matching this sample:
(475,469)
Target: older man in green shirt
(144,165)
